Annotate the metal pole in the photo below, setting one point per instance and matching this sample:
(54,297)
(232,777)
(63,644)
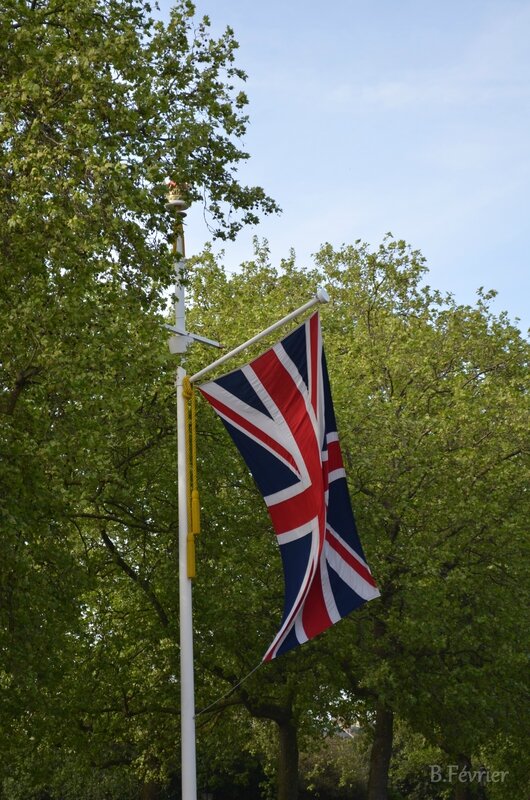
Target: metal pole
(179,344)
(187,682)
(320,297)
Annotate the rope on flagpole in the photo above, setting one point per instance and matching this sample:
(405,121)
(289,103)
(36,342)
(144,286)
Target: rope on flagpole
(229,692)
(195,504)
(191,467)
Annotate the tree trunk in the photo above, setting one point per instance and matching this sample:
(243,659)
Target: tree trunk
(381,753)
(287,761)
(462,788)
(149,791)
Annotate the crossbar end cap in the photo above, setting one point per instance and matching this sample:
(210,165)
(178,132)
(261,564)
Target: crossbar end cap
(321,295)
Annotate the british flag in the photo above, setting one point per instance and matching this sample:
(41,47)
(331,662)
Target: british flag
(279,412)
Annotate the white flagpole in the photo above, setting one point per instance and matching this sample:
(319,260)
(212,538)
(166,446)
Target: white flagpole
(179,344)
(321,296)
(187,680)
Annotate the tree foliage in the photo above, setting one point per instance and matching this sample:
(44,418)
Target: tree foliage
(99,105)
(432,408)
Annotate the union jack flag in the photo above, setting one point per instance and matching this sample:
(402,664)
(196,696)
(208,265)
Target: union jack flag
(279,412)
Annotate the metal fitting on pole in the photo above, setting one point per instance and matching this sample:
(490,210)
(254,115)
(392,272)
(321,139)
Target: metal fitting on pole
(178,205)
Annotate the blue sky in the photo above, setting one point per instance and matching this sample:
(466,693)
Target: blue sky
(390,115)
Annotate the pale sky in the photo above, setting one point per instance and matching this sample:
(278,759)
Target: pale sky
(368,116)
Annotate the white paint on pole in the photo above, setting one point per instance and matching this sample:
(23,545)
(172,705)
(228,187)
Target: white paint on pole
(179,344)
(187,681)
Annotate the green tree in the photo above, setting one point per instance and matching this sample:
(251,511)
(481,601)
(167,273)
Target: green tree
(437,441)
(432,407)
(98,105)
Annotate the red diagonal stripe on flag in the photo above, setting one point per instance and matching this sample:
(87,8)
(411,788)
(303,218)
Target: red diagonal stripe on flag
(233,416)
(345,554)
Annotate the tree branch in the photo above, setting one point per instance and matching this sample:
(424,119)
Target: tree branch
(141,582)
(25,378)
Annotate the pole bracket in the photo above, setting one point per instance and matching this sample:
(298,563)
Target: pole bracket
(180,342)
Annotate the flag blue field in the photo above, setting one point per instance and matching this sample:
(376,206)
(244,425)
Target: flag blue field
(279,412)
